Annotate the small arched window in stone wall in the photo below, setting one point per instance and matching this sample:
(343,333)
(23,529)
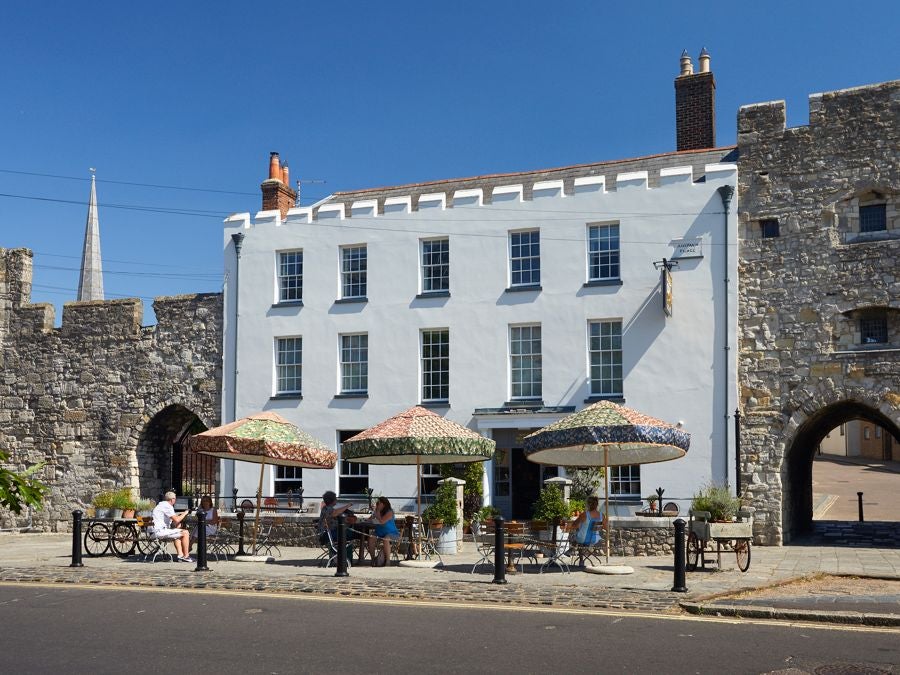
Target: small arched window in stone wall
(868,216)
(868,328)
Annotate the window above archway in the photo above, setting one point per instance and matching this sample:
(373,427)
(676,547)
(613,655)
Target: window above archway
(868,328)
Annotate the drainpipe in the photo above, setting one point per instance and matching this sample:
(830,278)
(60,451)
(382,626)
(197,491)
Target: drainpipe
(238,239)
(726,192)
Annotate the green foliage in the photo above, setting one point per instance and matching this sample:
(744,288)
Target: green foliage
(717,501)
(585,482)
(144,505)
(652,498)
(444,506)
(576,506)
(18,490)
(473,474)
(550,505)
(486,513)
(115,499)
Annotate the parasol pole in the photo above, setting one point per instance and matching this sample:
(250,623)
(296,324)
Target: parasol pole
(606,497)
(419,527)
(262,468)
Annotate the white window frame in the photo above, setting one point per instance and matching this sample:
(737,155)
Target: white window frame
(435,276)
(348,468)
(290,477)
(292,293)
(609,358)
(298,377)
(613,255)
(345,365)
(534,386)
(430,360)
(354,282)
(532,270)
(618,478)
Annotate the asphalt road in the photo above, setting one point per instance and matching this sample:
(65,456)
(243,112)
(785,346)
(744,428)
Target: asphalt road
(80,630)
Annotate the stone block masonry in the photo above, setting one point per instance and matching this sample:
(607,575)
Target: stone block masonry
(100,399)
(809,286)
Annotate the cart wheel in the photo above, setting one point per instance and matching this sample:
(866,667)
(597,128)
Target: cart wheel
(742,551)
(124,539)
(96,540)
(693,552)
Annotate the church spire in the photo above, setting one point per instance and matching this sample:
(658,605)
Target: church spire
(90,283)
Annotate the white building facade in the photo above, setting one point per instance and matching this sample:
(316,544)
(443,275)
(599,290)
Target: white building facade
(501,302)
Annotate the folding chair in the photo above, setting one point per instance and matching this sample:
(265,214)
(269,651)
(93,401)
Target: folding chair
(223,541)
(555,548)
(265,539)
(330,550)
(154,546)
(484,544)
(587,552)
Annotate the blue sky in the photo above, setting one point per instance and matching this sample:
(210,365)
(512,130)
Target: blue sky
(195,95)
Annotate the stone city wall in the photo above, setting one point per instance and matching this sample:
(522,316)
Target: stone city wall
(84,398)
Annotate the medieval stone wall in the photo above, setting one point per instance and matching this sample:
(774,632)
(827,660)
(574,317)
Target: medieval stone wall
(88,398)
(803,292)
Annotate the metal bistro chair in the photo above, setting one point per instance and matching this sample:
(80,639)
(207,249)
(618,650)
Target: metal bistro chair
(153,546)
(484,544)
(554,548)
(587,552)
(224,541)
(330,550)
(265,539)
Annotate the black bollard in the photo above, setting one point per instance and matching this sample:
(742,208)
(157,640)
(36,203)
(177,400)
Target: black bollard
(411,551)
(499,552)
(679,586)
(240,517)
(76,539)
(659,493)
(859,500)
(201,542)
(342,548)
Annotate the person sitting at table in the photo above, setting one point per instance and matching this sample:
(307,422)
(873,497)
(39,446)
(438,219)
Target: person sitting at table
(583,526)
(165,526)
(385,529)
(212,518)
(328,513)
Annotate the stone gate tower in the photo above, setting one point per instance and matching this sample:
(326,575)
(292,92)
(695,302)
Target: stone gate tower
(819,288)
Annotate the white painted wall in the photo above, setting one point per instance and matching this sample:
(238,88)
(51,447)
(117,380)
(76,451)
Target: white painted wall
(675,368)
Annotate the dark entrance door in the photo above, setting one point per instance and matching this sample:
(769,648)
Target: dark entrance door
(526,484)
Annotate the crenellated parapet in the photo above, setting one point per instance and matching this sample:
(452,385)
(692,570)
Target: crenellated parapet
(671,171)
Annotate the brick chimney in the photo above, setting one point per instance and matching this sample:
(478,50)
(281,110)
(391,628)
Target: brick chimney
(695,104)
(276,193)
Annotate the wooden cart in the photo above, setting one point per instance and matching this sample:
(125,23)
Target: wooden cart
(703,531)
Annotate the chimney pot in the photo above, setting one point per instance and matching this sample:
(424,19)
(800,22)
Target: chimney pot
(704,61)
(687,66)
(274,168)
(285,175)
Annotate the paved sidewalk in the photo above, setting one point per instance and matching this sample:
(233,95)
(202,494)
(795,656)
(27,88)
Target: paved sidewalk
(46,558)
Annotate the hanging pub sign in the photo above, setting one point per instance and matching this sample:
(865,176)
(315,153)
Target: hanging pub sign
(667,290)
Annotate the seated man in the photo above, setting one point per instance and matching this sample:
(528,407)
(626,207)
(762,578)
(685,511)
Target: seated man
(164,521)
(328,521)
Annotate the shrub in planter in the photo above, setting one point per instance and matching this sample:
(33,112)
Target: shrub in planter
(576,506)
(550,505)
(487,513)
(717,501)
(444,506)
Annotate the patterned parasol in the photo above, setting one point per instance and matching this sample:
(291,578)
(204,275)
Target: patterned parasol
(414,436)
(606,434)
(264,438)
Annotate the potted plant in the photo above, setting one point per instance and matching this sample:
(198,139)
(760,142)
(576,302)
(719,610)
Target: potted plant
(576,506)
(550,508)
(105,504)
(144,507)
(716,501)
(651,500)
(442,516)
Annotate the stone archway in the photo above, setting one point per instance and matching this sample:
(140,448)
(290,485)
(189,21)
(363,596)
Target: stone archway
(158,459)
(797,498)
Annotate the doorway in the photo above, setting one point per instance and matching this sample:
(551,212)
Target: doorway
(526,484)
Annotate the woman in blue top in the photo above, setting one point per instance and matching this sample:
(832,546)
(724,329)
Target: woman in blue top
(583,527)
(385,529)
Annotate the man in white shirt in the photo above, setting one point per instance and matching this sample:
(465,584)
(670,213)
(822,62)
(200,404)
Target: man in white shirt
(164,518)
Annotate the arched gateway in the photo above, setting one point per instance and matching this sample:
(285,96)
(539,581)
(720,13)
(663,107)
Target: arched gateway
(797,469)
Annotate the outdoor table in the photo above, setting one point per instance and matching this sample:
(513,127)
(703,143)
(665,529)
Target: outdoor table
(364,528)
(515,541)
